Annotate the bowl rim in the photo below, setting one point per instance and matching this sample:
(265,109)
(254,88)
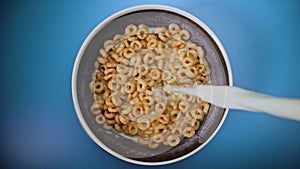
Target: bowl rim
(95,31)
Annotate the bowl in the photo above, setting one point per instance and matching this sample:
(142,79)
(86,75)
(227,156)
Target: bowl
(118,144)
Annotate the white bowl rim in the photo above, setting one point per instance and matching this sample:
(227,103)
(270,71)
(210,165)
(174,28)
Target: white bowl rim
(98,28)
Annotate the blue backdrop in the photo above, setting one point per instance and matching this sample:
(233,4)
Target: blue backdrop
(39,41)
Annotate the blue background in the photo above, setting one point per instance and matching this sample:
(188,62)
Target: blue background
(39,41)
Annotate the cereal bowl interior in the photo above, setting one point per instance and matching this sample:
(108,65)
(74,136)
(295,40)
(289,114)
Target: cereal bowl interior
(118,80)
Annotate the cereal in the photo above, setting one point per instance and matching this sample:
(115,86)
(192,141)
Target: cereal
(127,85)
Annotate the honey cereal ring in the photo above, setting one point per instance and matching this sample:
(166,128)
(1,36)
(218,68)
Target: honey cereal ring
(148,101)
(173,140)
(175,115)
(138,111)
(130,30)
(155,74)
(185,35)
(136,45)
(191,53)
(197,114)
(141,85)
(163,119)
(130,88)
(163,37)
(188,132)
(152,44)
(183,106)
(123,119)
(196,125)
(142,33)
(98,87)
(100,119)
(174,28)
(188,61)
(128,52)
(160,128)
(132,129)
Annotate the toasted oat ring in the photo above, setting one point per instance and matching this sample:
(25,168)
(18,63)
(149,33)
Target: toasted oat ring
(163,119)
(141,85)
(153,144)
(143,124)
(197,114)
(158,138)
(130,30)
(148,101)
(176,130)
(188,132)
(155,74)
(113,85)
(112,109)
(123,119)
(174,28)
(116,100)
(173,140)
(100,119)
(183,106)
(160,107)
(138,111)
(188,61)
(143,69)
(148,58)
(185,35)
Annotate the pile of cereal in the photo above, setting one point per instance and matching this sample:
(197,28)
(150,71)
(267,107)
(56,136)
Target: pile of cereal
(129,79)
